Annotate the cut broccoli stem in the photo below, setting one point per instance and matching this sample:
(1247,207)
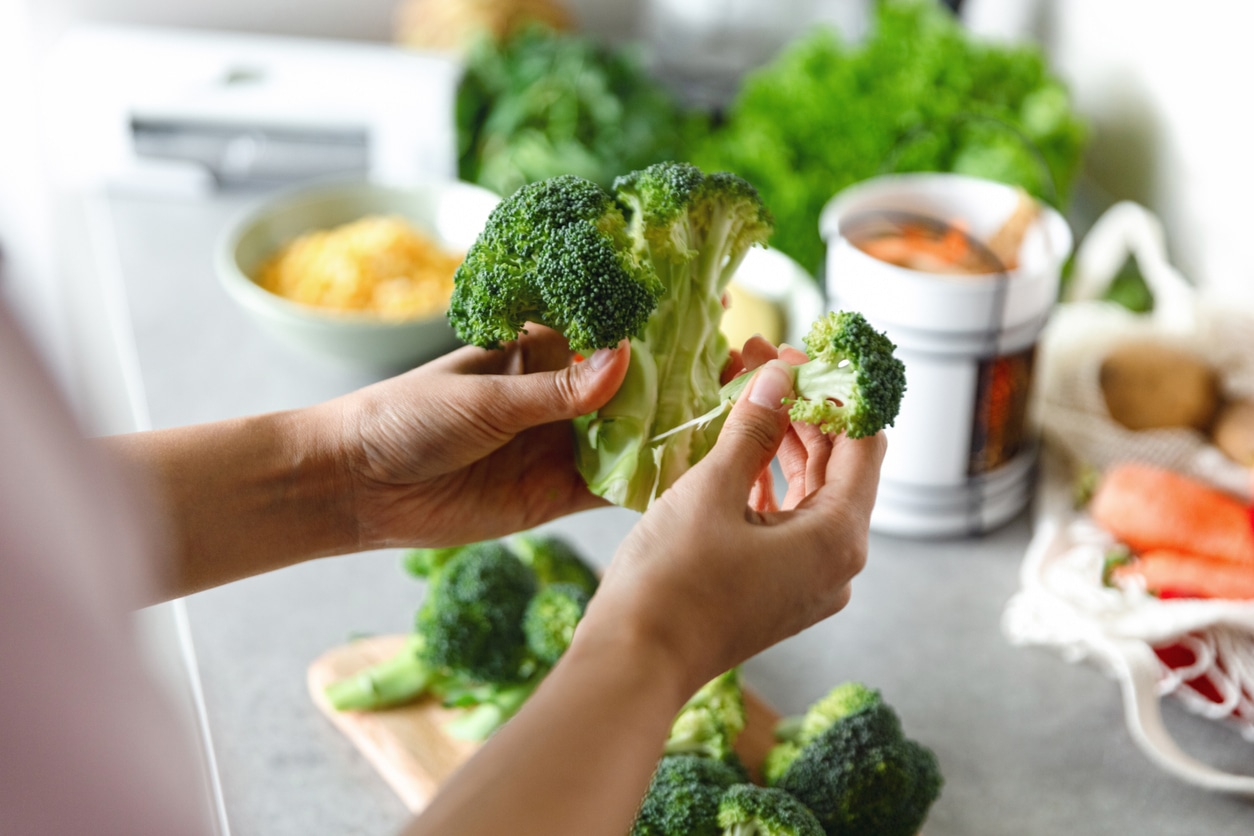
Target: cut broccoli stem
(391,682)
(479,722)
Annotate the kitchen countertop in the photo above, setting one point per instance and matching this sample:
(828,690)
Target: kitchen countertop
(1028,743)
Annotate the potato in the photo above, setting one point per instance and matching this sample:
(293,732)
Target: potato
(1234,432)
(1149,385)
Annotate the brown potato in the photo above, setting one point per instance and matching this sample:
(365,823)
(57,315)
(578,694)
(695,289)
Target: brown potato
(1149,385)
(1234,432)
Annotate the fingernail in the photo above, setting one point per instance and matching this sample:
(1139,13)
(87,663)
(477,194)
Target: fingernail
(600,359)
(771,385)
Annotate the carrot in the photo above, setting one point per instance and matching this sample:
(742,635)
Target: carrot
(1171,574)
(1150,508)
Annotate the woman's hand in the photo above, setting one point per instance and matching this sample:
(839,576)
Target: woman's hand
(474,445)
(715,571)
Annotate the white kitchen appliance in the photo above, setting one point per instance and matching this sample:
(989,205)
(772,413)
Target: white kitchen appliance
(187,110)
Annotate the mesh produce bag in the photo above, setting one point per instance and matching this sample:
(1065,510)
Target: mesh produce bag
(1200,651)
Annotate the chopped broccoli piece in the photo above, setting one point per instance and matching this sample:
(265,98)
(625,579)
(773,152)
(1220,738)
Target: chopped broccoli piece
(490,706)
(471,620)
(862,777)
(694,229)
(554,561)
(852,382)
(683,797)
(795,733)
(558,253)
(747,810)
(711,720)
(550,620)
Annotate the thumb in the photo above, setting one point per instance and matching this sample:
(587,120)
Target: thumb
(528,400)
(752,433)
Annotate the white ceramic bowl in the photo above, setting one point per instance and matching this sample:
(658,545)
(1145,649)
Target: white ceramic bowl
(452,212)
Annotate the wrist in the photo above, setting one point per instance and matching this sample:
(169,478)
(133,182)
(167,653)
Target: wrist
(316,475)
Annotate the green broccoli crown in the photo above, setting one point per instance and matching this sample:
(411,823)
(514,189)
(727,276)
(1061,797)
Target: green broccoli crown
(554,561)
(853,364)
(711,720)
(861,777)
(550,620)
(558,253)
(683,797)
(748,810)
(795,733)
(680,211)
(471,620)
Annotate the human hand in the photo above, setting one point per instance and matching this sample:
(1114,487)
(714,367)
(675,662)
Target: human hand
(474,445)
(716,572)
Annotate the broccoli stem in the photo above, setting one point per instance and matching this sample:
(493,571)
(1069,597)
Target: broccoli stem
(479,722)
(391,682)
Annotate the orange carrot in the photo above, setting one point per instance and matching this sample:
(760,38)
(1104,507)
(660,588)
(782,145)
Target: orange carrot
(1171,574)
(1150,508)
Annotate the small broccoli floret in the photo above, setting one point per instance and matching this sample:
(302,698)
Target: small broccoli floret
(711,720)
(550,620)
(683,797)
(852,382)
(557,253)
(471,620)
(747,810)
(862,777)
(795,733)
(554,561)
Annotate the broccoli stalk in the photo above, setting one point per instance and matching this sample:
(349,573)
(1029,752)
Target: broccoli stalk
(694,231)
(403,677)
(748,810)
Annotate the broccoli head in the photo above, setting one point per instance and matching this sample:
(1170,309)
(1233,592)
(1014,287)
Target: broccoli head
(423,563)
(557,253)
(862,777)
(852,382)
(694,229)
(748,810)
(550,620)
(554,561)
(795,733)
(683,797)
(711,720)
(471,619)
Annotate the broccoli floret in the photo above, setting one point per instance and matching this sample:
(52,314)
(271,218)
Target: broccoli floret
(711,720)
(557,253)
(683,797)
(852,382)
(554,561)
(694,229)
(550,620)
(471,620)
(423,563)
(862,777)
(795,733)
(748,810)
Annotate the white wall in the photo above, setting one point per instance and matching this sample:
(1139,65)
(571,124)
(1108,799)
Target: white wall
(1167,88)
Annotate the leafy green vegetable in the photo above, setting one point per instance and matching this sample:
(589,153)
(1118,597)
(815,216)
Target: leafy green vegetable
(919,94)
(543,103)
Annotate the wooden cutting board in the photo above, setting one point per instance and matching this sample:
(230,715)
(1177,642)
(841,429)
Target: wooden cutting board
(408,745)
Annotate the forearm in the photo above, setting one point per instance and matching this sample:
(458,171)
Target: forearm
(578,757)
(242,496)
